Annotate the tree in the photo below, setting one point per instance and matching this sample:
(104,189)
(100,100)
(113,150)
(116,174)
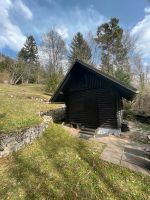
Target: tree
(53,55)
(114,59)
(29,55)
(52,82)
(95,51)
(80,49)
(53,46)
(16,71)
(5,63)
(139,72)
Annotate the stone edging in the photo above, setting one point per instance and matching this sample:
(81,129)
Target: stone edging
(15,141)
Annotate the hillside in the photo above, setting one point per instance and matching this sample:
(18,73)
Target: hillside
(20,106)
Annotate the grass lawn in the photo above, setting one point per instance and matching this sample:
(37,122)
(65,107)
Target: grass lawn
(20,106)
(59,166)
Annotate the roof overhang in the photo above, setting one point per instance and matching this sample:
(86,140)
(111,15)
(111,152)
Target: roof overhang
(126,91)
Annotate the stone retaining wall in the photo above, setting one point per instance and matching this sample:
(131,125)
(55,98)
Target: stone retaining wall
(57,115)
(14,141)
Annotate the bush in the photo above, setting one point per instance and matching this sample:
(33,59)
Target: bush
(52,82)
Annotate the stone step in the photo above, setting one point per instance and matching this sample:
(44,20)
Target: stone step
(87,132)
(88,129)
(85,136)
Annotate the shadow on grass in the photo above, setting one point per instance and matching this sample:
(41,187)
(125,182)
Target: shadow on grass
(84,178)
(95,167)
(95,164)
(30,178)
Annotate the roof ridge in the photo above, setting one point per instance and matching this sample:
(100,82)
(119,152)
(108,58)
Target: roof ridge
(107,75)
(127,91)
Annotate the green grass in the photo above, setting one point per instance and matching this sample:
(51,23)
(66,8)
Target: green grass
(59,166)
(144,127)
(20,106)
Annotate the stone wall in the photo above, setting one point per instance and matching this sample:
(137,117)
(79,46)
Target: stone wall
(57,115)
(14,141)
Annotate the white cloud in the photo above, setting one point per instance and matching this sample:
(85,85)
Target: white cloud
(10,34)
(23,9)
(147,10)
(85,20)
(70,21)
(141,31)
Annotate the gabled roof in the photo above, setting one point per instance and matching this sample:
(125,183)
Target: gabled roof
(126,91)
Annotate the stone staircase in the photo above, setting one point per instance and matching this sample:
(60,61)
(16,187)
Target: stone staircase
(87,133)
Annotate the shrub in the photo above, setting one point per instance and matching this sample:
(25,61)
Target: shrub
(52,82)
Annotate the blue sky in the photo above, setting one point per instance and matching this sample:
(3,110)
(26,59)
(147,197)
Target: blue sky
(19,18)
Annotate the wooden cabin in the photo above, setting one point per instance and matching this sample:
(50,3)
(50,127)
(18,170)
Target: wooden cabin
(93,99)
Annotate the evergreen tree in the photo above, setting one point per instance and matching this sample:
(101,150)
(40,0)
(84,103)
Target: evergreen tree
(80,49)
(29,55)
(114,55)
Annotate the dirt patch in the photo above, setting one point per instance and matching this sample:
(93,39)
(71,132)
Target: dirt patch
(4,161)
(73,131)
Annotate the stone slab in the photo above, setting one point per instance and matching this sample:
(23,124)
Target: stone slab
(135,167)
(126,154)
(139,161)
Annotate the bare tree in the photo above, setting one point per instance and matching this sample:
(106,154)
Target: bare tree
(129,43)
(16,72)
(147,75)
(139,71)
(53,46)
(95,59)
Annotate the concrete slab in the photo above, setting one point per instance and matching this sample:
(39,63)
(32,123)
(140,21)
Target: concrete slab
(114,151)
(134,151)
(125,153)
(134,167)
(111,159)
(136,160)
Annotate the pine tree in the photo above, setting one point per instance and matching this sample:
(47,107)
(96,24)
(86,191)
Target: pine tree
(29,55)
(80,49)
(114,59)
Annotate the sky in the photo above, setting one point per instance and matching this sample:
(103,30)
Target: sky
(20,18)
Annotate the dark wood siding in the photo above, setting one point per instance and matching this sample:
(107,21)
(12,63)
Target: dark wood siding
(107,108)
(81,108)
(92,108)
(84,80)
(92,102)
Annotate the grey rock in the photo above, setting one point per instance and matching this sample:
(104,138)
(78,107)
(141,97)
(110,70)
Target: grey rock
(15,141)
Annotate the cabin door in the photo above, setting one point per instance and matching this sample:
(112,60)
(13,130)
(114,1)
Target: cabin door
(91,110)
